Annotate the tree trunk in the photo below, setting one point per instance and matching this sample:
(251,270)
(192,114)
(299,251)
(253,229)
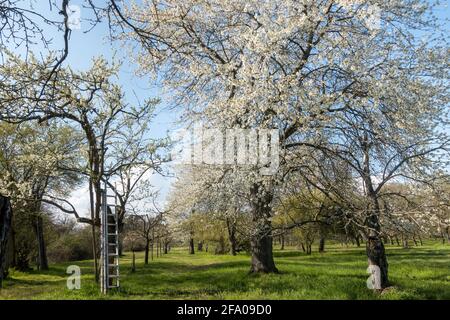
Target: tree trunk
(374,246)
(391,240)
(303,247)
(95,252)
(157,248)
(166,247)
(147,249)
(151,248)
(200,246)
(405,242)
(42,252)
(261,242)
(120,244)
(5,229)
(375,250)
(231,226)
(120,225)
(11,254)
(221,246)
(358,243)
(322,244)
(377,257)
(282,242)
(133,264)
(233,246)
(262,256)
(448,234)
(191,246)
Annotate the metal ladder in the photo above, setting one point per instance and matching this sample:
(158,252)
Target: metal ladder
(109,243)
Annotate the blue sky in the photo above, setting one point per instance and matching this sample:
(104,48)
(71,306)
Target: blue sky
(83,46)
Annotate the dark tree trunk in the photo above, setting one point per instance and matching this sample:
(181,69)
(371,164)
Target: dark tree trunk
(303,247)
(358,243)
(261,242)
(231,226)
(11,254)
(322,244)
(282,242)
(262,256)
(221,246)
(152,247)
(405,242)
(120,225)
(374,246)
(377,256)
(391,240)
(397,241)
(200,246)
(157,248)
(166,247)
(120,244)
(147,249)
(42,252)
(448,234)
(133,264)
(375,250)
(95,251)
(191,246)
(5,229)
(233,246)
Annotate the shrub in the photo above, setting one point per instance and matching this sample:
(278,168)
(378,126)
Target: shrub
(72,246)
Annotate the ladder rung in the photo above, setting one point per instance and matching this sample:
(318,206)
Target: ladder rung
(110,228)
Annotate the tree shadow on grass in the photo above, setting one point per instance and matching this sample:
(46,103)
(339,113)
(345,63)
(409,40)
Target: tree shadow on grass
(198,280)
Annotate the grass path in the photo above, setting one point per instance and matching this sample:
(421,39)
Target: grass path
(340,273)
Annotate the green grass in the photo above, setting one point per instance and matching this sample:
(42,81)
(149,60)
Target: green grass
(340,273)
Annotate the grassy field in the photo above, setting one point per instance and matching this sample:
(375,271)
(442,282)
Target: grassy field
(340,273)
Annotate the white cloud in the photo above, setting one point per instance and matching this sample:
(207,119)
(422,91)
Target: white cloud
(80,200)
